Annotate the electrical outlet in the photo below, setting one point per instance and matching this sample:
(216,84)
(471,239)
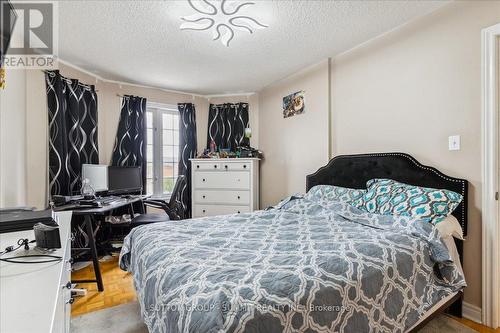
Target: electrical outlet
(454,142)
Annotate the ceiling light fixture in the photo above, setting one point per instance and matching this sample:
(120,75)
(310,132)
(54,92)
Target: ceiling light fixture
(222,17)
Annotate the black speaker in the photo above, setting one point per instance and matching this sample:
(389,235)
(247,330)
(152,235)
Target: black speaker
(47,236)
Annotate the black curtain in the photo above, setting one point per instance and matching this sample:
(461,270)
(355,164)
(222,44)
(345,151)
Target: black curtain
(72,108)
(226,125)
(130,142)
(187,150)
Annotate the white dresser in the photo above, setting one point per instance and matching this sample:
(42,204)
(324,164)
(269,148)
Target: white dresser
(36,297)
(223,186)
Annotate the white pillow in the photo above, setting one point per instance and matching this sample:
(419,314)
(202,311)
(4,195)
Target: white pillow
(450,227)
(449,242)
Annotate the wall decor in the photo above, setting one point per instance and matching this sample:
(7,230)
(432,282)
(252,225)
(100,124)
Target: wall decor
(293,104)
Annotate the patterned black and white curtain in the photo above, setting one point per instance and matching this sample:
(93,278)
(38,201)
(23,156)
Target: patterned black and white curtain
(226,125)
(187,150)
(130,142)
(72,108)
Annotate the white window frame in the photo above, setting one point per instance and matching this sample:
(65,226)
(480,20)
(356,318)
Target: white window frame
(157,110)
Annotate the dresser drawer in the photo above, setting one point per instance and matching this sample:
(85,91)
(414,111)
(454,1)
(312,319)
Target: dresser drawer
(214,210)
(240,166)
(222,180)
(206,166)
(222,197)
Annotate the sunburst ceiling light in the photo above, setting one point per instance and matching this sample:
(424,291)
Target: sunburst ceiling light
(223,17)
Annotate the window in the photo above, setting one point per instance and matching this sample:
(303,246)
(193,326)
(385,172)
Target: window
(162,130)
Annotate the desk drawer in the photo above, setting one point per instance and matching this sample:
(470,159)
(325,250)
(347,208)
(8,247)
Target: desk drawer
(214,210)
(222,197)
(222,180)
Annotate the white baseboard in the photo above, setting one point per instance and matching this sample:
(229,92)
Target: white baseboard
(471,312)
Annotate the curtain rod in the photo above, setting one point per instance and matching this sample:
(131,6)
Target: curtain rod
(126,96)
(122,96)
(51,73)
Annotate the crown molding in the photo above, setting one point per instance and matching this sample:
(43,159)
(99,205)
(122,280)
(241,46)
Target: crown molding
(124,83)
(230,95)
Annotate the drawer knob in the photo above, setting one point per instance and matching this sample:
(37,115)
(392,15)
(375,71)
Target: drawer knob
(239,212)
(238,197)
(225,166)
(203,179)
(244,166)
(197,167)
(204,211)
(215,166)
(203,197)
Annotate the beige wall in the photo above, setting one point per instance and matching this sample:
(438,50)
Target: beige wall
(13,140)
(37,146)
(295,146)
(411,89)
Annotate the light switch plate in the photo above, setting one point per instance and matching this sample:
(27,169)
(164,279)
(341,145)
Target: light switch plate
(454,142)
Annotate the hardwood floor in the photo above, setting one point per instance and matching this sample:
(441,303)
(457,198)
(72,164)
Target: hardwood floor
(118,289)
(478,327)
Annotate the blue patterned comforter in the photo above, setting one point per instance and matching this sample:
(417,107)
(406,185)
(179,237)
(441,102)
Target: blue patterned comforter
(304,265)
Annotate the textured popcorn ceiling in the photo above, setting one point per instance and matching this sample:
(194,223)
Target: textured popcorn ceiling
(140,41)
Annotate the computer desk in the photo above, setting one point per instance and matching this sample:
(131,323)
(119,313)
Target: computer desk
(89,215)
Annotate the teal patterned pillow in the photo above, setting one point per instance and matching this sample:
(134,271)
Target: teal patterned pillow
(331,192)
(389,197)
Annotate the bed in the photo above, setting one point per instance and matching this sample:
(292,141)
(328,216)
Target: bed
(302,265)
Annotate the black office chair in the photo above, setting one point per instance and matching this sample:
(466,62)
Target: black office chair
(173,209)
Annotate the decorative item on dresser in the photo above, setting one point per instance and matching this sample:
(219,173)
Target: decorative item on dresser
(223,186)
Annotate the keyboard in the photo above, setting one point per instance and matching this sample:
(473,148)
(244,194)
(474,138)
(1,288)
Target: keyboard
(131,197)
(107,200)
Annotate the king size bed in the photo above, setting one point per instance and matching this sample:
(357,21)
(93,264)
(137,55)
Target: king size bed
(319,262)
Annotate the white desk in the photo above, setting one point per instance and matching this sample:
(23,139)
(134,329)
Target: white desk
(34,297)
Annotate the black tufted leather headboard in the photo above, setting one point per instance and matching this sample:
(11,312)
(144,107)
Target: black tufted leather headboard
(355,170)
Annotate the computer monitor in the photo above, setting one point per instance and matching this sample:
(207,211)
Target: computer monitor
(97,174)
(123,180)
